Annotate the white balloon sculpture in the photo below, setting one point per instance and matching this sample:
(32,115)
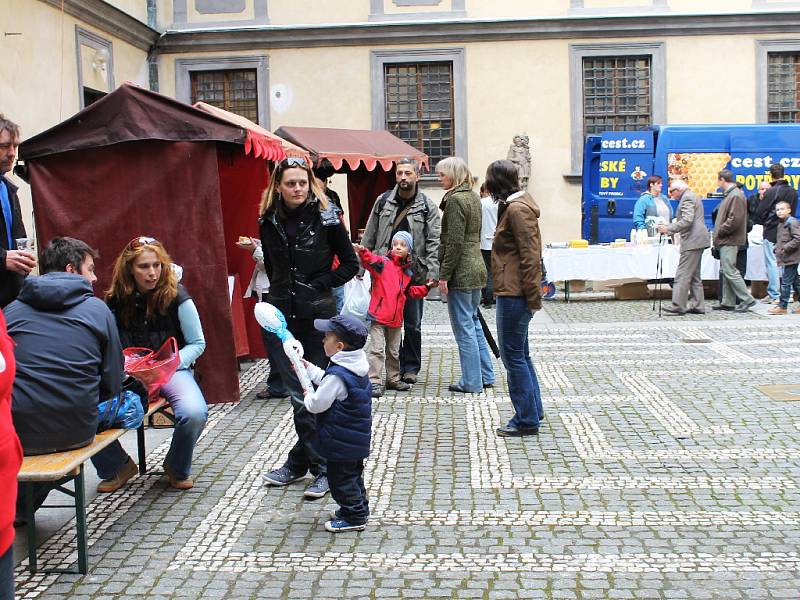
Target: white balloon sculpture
(272,319)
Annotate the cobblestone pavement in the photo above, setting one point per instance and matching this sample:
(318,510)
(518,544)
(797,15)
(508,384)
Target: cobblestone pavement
(659,472)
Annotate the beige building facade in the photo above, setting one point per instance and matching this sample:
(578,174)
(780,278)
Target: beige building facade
(450,76)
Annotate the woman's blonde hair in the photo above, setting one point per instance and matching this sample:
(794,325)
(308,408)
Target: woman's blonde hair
(455,169)
(272,196)
(123,285)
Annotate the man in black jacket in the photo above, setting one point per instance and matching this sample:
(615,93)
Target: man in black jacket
(765,213)
(14,264)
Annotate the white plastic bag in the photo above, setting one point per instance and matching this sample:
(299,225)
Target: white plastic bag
(356,297)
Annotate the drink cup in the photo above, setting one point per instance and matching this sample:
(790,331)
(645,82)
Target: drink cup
(25,244)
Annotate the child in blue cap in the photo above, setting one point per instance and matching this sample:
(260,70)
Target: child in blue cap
(343,406)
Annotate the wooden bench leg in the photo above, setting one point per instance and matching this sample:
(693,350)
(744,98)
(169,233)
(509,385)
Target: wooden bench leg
(27,489)
(80,522)
(142,452)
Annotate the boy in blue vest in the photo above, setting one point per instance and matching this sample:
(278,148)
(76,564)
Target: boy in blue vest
(343,405)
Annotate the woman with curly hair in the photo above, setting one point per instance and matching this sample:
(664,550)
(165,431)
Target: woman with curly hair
(150,306)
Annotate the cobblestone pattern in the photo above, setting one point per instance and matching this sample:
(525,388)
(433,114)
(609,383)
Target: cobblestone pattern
(659,472)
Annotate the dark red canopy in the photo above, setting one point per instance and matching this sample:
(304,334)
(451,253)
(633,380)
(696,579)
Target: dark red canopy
(352,147)
(139,163)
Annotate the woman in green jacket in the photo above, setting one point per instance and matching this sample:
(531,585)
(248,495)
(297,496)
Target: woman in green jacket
(462,273)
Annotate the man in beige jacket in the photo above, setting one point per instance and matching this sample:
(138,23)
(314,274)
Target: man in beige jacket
(687,290)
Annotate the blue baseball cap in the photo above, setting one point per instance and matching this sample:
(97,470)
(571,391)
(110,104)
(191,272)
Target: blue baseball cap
(346,327)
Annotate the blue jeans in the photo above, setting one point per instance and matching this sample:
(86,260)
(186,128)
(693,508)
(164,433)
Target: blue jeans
(411,347)
(191,414)
(7,574)
(513,317)
(789,282)
(473,351)
(771,264)
(338,294)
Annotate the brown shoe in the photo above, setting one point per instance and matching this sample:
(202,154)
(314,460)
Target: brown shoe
(178,484)
(409,377)
(128,470)
(777,310)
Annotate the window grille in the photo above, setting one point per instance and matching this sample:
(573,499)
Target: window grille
(234,91)
(783,87)
(616,93)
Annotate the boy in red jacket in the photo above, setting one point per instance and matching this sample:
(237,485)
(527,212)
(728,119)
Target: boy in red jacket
(391,283)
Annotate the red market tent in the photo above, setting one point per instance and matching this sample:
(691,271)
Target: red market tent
(139,163)
(368,157)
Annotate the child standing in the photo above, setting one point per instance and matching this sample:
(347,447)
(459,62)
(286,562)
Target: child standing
(391,282)
(344,417)
(787,251)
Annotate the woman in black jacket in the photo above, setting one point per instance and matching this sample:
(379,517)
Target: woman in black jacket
(301,234)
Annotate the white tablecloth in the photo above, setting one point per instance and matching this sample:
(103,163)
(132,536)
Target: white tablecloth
(601,263)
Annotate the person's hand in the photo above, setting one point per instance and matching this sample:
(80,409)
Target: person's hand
(663,228)
(20,261)
(358,247)
(248,244)
(431,283)
(443,286)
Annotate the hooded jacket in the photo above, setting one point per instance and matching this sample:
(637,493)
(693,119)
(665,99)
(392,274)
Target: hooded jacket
(517,250)
(343,406)
(68,357)
(765,211)
(391,283)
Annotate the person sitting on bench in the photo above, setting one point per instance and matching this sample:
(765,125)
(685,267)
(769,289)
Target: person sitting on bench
(68,354)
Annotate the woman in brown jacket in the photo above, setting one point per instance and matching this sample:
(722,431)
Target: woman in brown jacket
(517,273)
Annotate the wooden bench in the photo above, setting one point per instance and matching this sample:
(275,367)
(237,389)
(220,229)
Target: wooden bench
(60,468)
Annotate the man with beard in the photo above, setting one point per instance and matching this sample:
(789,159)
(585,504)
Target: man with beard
(406,208)
(14,264)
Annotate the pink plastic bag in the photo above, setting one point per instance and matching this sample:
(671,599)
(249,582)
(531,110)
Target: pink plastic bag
(153,368)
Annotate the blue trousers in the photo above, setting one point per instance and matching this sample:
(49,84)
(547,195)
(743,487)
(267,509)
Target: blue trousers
(473,351)
(513,318)
(191,414)
(411,347)
(790,282)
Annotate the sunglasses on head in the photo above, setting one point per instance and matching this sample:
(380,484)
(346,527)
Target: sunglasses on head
(293,161)
(138,242)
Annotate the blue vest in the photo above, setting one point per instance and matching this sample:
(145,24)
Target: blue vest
(345,429)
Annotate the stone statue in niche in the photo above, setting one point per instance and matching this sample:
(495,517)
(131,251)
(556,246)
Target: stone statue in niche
(520,154)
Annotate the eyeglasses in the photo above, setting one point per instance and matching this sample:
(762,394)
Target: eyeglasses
(138,242)
(669,191)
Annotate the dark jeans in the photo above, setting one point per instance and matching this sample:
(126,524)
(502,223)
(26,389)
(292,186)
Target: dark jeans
(741,264)
(513,317)
(411,348)
(303,456)
(486,293)
(346,481)
(7,574)
(274,381)
(790,281)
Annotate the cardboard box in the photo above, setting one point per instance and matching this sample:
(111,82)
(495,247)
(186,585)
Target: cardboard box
(635,290)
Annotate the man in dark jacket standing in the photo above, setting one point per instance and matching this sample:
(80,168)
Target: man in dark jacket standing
(14,264)
(730,232)
(765,214)
(68,351)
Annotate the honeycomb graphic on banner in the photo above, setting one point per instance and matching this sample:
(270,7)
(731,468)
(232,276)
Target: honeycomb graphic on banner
(699,170)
